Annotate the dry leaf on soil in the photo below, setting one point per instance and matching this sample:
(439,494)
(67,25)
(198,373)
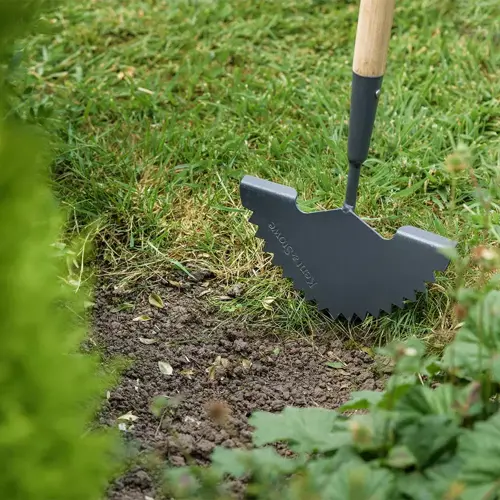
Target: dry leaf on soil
(142,317)
(144,340)
(165,368)
(266,303)
(211,372)
(188,373)
(155,300)
(129,417)
(220,361)
(126,306)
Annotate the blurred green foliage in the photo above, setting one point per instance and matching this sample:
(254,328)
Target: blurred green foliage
(50,390)
(19,18)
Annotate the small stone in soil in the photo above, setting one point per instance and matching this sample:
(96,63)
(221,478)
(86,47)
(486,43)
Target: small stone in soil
(200,275)
(177,461)
(240,345)
(235,291)
(205,446)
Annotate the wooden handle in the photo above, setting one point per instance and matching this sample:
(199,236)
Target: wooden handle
(372,37)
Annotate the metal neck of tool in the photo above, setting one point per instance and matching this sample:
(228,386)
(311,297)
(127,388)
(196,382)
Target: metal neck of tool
(352,187)
(370,58)
(365,93)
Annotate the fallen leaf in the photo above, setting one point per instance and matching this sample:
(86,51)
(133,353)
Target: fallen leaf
(220,361)
(142,317)
(129,417)
(267,303)
(211,370)
(165,368)
(144,340)
(335,364)
(126,306)
(225,298)
(155,300)
(187,372)
(246,363)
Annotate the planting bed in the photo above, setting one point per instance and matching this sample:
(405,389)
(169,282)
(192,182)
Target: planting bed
(222,371)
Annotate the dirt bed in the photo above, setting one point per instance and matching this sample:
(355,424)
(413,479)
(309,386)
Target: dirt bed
(220,370)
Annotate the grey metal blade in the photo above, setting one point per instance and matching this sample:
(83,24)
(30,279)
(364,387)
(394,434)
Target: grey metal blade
(336,259)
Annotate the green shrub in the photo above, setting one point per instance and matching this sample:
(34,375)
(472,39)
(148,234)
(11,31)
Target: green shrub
(50,391)
(432,433)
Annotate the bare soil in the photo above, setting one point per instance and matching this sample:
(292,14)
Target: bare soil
(222,371)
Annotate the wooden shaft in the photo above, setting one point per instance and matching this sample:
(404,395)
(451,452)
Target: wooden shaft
(372,37)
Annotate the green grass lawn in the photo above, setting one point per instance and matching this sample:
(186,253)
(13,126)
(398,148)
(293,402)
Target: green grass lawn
(162,106)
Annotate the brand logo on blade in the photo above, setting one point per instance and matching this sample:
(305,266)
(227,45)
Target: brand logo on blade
(288,250)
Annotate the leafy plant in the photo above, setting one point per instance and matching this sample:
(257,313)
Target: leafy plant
(432,433)
(50,390)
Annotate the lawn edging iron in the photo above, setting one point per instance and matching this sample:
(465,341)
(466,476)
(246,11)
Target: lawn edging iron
(333,256)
